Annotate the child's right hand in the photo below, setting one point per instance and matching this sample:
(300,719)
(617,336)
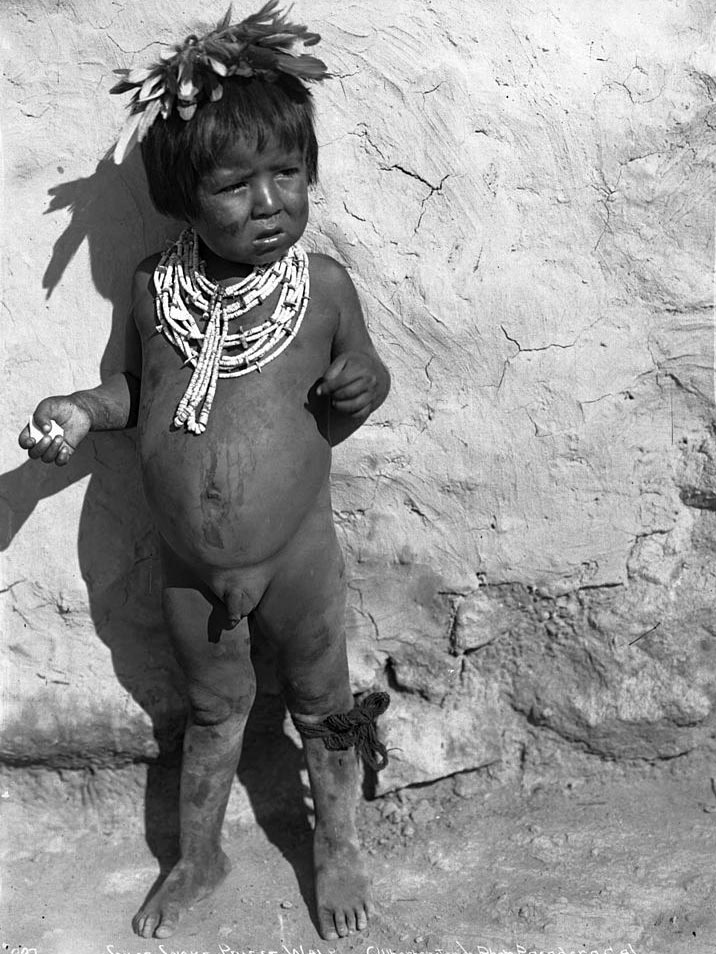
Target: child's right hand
(74,420)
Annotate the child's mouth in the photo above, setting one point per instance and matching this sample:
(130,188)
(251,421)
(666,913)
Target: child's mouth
(269,240)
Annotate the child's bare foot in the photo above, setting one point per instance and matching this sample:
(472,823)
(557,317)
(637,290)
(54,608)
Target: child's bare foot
(186,883)
(343,889)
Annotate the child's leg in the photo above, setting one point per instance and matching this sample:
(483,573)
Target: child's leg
(221,687)
(302,612)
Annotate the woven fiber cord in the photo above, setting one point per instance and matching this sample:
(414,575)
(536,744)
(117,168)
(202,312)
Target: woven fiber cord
(355,728)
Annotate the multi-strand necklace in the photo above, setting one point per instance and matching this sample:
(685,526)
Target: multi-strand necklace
(183,291)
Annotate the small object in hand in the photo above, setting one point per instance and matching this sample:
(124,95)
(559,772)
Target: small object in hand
(37,434)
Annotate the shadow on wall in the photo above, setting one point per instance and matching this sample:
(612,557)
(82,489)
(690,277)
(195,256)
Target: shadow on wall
(117,545)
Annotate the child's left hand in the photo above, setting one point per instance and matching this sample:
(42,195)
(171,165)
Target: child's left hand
(352,383)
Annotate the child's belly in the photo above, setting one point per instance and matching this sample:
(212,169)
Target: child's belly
(236,494)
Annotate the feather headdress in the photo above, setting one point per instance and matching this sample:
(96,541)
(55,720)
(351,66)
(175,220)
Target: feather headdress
(193,72)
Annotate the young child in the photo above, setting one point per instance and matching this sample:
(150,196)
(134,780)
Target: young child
(240,381)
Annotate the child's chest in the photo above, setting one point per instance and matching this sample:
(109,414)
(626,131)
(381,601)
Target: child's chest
(280,361)
(259,421)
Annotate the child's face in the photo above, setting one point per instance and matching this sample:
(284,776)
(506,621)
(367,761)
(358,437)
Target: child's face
(254,204)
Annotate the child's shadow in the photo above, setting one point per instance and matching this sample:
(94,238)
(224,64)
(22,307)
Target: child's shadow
(117,548)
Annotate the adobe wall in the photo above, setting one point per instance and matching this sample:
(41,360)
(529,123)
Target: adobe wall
(523,193)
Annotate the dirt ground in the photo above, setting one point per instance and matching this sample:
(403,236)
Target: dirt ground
(623,861)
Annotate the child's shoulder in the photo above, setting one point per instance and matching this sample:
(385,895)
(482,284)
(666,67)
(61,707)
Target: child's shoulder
(144,272)
(143,289)
(329,275)
(146,267)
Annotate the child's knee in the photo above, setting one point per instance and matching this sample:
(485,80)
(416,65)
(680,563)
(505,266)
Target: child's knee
(318,701)
(211,708)
(316,682)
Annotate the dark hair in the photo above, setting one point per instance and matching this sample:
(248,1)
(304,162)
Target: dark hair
(178,153)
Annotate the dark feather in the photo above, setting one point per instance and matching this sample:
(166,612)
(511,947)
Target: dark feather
(123,87)
(303,66)
(224,22)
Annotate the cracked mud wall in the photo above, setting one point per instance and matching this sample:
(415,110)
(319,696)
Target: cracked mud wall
(523,193)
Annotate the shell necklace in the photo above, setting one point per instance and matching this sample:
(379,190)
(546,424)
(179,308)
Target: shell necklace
(180,281)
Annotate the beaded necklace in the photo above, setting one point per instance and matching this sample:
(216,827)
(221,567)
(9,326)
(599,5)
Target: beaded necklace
(180,280)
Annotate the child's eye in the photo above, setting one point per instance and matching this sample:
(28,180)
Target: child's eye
(290,171)
(235,186)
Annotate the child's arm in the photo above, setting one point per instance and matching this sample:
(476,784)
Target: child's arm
(356,382)
(111,406)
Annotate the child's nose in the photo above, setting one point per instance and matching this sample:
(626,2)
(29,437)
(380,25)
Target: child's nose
(267,199)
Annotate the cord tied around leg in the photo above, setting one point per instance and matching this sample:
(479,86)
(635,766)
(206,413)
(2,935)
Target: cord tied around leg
(355,728)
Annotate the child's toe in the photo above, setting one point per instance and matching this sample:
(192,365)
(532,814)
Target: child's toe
(326,926)
(168,924)
(145,926)
(341,926)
